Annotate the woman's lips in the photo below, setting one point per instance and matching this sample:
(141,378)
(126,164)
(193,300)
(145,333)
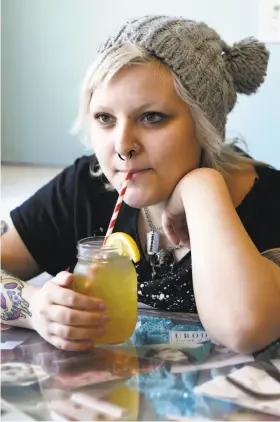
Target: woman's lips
(140,173)
(135,174)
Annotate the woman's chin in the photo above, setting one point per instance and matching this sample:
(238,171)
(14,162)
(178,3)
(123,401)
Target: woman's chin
(134,202)
(140,200)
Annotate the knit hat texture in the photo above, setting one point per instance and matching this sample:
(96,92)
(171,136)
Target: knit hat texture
(212,71)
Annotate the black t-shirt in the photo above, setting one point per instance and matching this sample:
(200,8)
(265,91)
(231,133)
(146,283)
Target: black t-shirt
(75,205)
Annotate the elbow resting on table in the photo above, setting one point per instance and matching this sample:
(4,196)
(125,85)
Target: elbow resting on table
(254,324)
(247,338)
(245,342)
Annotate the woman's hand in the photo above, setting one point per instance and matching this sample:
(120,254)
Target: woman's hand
(66,319)
(174,220)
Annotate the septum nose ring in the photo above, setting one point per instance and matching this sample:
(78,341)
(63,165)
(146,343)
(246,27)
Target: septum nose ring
(129,154)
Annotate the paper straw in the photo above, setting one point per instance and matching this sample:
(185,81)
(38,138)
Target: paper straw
(117,207)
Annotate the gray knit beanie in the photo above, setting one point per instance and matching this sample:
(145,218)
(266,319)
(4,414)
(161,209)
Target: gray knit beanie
(212,71)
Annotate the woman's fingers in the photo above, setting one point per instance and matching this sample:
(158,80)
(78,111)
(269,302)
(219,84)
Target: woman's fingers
(176,229)
(63,279)
(69,345)
(71,299)
(70,332)
(181,228)
(65,318)
(169,229)
(74,317)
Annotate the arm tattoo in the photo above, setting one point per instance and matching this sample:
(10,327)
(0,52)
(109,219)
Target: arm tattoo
(4,227)
(13,306)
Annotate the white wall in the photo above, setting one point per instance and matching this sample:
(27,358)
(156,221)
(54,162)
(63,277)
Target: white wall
(47,45)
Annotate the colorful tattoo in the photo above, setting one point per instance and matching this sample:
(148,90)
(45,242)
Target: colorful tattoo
(13,306)
(4,227)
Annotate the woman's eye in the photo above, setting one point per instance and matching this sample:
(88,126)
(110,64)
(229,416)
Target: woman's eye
(103,118)
(153,117)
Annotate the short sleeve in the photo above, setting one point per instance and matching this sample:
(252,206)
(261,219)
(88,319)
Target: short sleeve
(260,212)
(273,255)
(45,222)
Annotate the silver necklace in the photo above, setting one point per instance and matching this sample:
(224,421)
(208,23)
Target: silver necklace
(153,235)
(161,260)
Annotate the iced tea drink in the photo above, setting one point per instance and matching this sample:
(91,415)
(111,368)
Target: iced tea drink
(102,273)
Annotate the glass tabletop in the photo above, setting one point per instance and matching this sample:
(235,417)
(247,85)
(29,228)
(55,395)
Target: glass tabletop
(169,370)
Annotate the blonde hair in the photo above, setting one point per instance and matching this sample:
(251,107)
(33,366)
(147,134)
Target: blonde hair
(218,154)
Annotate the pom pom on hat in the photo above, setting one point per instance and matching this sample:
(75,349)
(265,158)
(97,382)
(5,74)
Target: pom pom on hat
(246,61)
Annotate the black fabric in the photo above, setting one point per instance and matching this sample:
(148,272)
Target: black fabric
(75,205)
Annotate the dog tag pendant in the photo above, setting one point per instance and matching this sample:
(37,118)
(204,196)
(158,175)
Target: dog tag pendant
(152,242)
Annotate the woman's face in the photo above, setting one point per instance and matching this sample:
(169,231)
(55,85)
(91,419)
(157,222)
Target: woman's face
(140,109)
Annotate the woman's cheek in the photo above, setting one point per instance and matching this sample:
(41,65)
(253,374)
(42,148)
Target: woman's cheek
(112,177)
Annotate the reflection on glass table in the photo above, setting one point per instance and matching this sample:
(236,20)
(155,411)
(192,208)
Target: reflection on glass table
(164,372)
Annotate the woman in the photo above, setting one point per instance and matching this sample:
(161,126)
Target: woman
(155,104)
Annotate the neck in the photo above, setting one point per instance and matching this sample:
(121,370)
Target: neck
(155,213)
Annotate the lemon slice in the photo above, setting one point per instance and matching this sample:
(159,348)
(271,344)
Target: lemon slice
(125,245)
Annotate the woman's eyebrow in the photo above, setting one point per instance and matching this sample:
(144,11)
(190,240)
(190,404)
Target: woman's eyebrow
(101,107)
(149,105)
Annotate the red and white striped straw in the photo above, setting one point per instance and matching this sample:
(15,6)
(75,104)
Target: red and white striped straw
(117,207)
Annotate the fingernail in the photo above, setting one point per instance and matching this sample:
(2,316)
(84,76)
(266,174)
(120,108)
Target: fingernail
(100,330)
(105,318)
(101,306)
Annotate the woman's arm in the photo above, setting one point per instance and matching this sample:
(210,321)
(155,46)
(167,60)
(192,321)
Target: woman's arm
(16,296)
(15,257)
(17,265)
(237,290)
(60,315)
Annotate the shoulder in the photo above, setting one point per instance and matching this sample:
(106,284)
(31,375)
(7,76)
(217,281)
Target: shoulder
(87,184)
(65,181)
(80,169)
(269,177)
(78,176)
(260,209)
(91,202)
(74,187)
(266,189)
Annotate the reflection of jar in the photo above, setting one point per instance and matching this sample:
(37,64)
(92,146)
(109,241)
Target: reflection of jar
(104,274)
(126,394)
(126,398)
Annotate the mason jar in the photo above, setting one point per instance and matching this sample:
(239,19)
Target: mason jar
(103,273)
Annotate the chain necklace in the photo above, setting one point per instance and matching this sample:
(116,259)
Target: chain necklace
(161,260)
(153,235)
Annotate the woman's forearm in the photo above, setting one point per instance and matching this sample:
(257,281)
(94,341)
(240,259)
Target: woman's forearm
(237,290)
(16,297)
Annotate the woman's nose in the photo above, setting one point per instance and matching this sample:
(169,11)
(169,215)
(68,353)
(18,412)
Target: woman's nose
(125,140)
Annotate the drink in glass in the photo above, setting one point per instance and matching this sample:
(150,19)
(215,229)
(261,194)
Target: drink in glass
(103,273)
